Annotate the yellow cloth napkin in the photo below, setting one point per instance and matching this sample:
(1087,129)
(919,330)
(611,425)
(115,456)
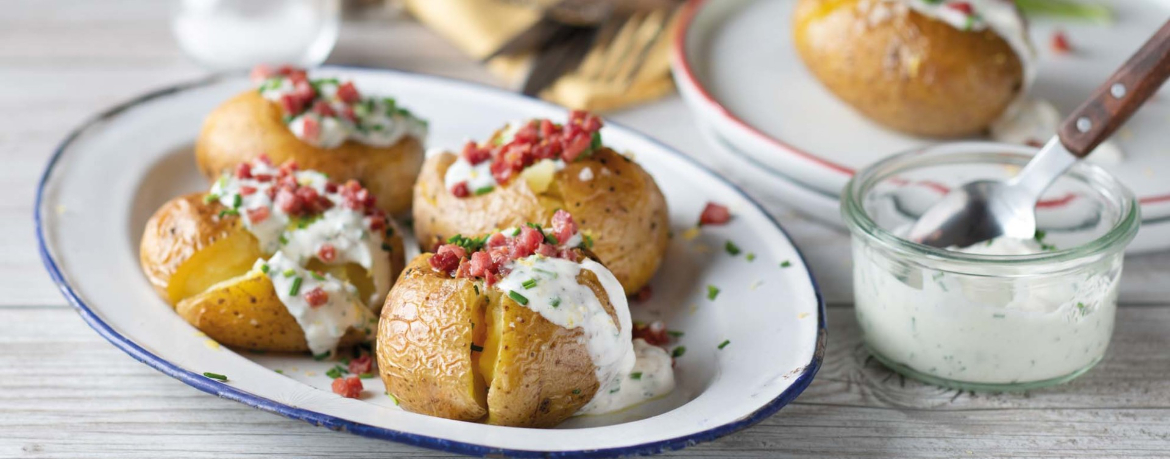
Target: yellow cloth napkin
(479,27)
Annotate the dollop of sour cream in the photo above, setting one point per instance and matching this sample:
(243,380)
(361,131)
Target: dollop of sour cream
(294,241)
(549,287)
(377,121)
(324,324)
(986,329)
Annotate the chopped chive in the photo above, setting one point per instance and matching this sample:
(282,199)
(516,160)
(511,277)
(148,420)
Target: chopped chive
(576,391)
(476,287)
(551,239)
(279,371)
(556,301)
(237,201)
(636,375)
(475,348)
(518,297)
(283,240)
(595,143)
(516,231)
(389,231)
(785,264)
(724,344)
(587,241)
(336,372)
(678,352)
(317,275)
(392,397)
(1039,236)
(289,272)
(529,283)
(731,248)
(675,333)
(215,376)
(296,286)
(366,376)
(484,190)
(712,292)
(264,268)
(321,356)
(210,198)
(550,274)
(228,212)
(387,247)
(751,256)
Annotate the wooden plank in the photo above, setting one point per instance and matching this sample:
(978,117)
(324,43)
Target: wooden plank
(65,392)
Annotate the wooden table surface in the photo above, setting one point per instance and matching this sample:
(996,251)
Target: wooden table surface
(64,391)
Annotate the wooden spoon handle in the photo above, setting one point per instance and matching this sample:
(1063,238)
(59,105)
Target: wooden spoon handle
(1121,95)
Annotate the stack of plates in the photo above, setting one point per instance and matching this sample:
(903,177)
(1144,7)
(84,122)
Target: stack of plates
(773,126)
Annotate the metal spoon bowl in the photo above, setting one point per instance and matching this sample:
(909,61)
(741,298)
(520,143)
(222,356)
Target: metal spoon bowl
(983,210)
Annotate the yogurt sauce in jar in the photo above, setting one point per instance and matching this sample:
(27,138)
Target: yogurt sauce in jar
(1004,314)
(986,330)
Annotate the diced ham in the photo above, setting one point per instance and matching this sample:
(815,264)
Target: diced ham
(350,387)
(247,190)
(714,214)
(481,264)
(644,294)
(244,171)
(258,214)
(291,104)
(654,334)
(260,73)
(327,252)
(361,365)
(287,201)
(348,93)
(447,258)
(323,108)
(311,129)
(460,190)
(526,243)
(547,250)
(316,297)
(1060,43)
(962,7)
(563,225)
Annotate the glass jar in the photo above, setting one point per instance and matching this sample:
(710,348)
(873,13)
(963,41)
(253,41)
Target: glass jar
(239,34)
(979,321)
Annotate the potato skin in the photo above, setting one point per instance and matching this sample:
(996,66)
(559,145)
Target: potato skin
(907,71)
(246,313)
(247,125)
(176,232)
(621,206)
(424,343)
(186,242)
(542,373)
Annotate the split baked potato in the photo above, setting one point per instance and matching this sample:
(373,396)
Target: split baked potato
(201,258)
(617,204)
(250,124)
(909,71)
(455,348)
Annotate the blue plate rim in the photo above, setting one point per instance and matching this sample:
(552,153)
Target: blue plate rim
(226,391)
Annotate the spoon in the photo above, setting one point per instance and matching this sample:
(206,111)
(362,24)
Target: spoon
(986,209)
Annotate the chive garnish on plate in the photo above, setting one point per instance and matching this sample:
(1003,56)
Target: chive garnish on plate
(215,376)
(724,344)
(712,292)
(731,248)
(636,375)
(678,352)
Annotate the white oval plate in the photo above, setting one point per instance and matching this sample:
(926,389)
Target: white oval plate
(737,70)
(110,175)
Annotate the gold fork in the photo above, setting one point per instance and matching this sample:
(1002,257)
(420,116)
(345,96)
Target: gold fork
(624,44)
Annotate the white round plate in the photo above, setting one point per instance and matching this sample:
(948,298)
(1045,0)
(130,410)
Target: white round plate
(770,183)
(737,70)
(109,176)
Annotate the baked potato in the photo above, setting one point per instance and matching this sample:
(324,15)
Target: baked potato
(249,271)
(617,204)
(321,125)
(939,69)
(509,329)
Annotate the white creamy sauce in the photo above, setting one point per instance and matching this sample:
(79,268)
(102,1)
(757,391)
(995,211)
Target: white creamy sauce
(379,121)
(478,177)
(995,330)
(560,299)
(651,377)
(295,241)
(325,324)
